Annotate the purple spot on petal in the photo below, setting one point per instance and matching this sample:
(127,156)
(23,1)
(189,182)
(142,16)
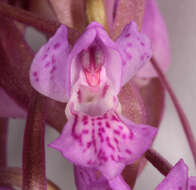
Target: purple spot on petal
(53,69)
(56,46)
(47,49)
(114,118)
(85,131)
(117,132)
(109,144)
(192,187)
(128,55)
(89,162)
(79,96)
(84,118)
(101,137)
(35,74)
(107,125)
(116,140)
(124,136)
(89,144)
(128,151)
(47,64)
(105,116)
(53,59)
(120,157)
(102,129)
(127,35)
(142,43)
(112,157)
(105,90)
(131,135)
(99,123)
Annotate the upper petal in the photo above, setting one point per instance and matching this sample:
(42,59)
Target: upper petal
(154,27)
(177,178)
(112,58)
(135,49)
(49,68)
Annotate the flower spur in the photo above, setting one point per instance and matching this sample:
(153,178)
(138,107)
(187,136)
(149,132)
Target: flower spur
(89,78)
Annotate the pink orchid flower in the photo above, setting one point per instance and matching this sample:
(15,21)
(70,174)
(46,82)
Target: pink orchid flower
(178,179)
(89,77)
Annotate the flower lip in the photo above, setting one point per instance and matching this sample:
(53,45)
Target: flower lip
(103,142)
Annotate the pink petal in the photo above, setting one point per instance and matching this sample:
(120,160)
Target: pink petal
(89,178)
(154,26)
(118,183)
(177,178)
(48,70)
(103,142)
(112,61)
(8,108)
(135,49)
(192,183)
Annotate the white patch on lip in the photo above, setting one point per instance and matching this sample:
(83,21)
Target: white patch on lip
(93,100)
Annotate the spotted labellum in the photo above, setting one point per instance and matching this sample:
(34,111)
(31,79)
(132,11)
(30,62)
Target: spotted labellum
(89,77)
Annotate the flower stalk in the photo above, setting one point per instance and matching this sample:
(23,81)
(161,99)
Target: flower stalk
(158,161)
(3,142)
(13,176)
(34,177)
(185,123)
(28,18)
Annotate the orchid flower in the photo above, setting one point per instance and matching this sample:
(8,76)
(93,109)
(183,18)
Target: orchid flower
(178,179)
(89,77)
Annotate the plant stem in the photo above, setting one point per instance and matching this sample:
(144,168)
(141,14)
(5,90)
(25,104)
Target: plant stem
(13,176)
(185,123)
(158,161)
(28,18)
(34,177)
(3,142)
